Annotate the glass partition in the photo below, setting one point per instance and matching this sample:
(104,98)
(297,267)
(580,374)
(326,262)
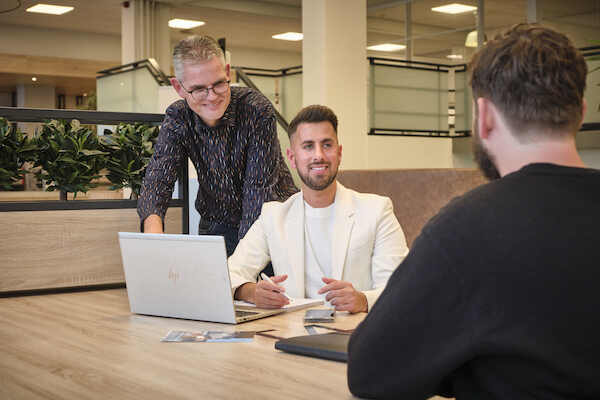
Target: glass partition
(283,90)
(592,92)
(463,101)
(408,98)
(285,93)
(134,90)
(414,98)
(269,86)
(291,95)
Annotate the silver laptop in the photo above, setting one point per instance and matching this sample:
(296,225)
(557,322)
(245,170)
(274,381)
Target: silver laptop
(181,276)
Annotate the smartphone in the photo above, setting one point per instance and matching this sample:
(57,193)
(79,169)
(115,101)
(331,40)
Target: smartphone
(320,315)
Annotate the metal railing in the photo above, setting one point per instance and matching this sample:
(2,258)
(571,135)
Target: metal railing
(242,76)
(150,64)
(419,65)
(272,73)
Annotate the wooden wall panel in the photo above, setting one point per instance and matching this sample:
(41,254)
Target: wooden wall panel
(54,249)
(31,195)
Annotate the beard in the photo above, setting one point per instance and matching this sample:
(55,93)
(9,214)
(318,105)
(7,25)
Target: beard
(484,160)
(317,184)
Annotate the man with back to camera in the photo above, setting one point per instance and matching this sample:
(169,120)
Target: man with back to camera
(229,133)
(326,241)
(498,296)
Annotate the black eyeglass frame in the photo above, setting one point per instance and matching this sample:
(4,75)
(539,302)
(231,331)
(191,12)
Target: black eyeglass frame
(206,90)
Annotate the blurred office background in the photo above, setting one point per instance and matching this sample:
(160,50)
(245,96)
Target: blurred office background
(406,107)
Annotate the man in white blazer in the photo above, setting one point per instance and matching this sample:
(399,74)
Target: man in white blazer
(325,241)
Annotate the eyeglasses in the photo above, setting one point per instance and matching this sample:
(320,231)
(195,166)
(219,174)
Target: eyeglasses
(201,93)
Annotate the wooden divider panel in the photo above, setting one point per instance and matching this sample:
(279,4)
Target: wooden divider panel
(55,249)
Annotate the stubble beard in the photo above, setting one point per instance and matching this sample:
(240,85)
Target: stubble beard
(317,184)
(484,160)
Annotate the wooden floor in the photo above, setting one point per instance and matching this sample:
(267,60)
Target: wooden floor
(88,345)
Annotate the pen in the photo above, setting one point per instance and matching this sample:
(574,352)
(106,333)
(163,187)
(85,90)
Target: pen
(266,278)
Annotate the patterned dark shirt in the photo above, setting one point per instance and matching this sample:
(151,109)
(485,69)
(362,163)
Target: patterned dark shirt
(239,162)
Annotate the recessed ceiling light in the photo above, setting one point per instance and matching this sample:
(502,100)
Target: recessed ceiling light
(387,47)
(454,8)
(34,79)
(455,56)
(293,36)
(185,23)
(49,9)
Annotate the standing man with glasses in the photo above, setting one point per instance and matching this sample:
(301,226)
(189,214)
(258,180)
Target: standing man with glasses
(230,135)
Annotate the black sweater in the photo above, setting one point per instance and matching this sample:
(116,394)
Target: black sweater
(499,297)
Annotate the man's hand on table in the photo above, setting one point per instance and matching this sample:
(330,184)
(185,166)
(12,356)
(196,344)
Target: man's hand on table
(343,296)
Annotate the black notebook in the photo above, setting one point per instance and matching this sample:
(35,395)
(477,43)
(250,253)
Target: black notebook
(330,346)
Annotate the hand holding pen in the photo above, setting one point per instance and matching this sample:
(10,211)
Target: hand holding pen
(268,294)
(266,278)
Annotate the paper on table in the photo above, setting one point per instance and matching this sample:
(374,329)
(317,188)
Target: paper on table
(208,336)
(295,304)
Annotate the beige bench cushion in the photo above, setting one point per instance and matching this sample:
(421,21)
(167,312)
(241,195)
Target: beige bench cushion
(417,194)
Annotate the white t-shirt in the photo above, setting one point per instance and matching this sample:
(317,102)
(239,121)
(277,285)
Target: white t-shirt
(318,242)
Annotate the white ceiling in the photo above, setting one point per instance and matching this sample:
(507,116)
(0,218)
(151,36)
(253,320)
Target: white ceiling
(251,23)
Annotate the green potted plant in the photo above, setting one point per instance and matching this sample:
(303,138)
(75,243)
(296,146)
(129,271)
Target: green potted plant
(130,148)
(15,150)
(70,157)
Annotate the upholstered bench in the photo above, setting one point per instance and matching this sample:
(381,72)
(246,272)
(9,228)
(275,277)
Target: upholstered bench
(417,194)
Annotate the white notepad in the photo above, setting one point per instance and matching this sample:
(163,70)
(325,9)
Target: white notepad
(295,304)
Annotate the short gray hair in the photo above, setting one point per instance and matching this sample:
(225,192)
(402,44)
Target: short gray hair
(195,49)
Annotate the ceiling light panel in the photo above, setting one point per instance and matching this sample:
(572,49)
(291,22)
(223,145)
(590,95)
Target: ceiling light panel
(387,47)
(454,8)
(178,23)
(49,9)
(293,36)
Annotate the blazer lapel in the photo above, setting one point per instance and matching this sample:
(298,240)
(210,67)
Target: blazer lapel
(295,245)
(342,229)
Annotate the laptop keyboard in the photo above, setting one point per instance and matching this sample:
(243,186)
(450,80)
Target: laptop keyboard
(239,313)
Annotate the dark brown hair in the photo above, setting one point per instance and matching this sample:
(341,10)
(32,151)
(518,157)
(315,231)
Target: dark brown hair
(535,76)
(314,113)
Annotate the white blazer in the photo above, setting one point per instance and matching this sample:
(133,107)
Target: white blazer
(368,243)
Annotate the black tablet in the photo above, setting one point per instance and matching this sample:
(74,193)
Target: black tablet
(330,346)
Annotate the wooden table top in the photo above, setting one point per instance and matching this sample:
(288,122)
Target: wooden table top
(87,345)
